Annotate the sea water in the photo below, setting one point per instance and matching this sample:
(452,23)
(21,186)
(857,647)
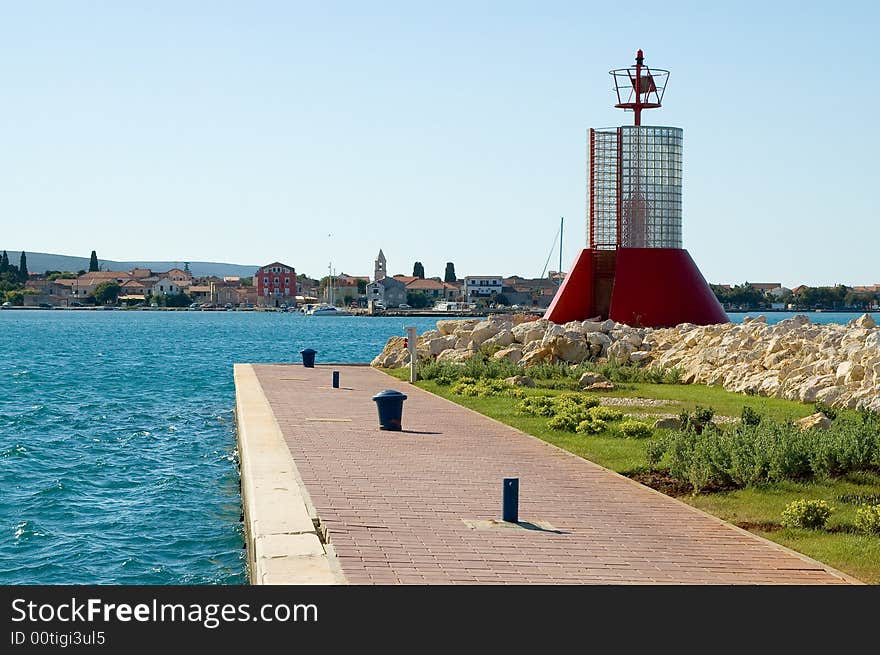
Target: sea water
(118,460)
(117,436)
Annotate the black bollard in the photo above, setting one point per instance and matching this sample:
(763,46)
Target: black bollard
(510,504)
(335,379)
(308,356)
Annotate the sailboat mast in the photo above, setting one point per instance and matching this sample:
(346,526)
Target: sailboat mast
(561,221)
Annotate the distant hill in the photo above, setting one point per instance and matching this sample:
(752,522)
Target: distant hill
(38,262)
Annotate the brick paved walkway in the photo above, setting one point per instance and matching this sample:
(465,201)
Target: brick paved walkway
(406,507)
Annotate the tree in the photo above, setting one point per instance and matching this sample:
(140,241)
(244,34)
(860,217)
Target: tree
(106,292)
(93,263)
(362,286)
(449,276)
(178,300)
(22,267)
(417,299)
(419,270)
(4,262)
(501,299)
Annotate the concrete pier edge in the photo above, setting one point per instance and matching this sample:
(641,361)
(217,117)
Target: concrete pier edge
(282,536)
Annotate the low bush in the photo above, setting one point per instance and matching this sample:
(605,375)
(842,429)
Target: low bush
(537,406)
(635,429)
(745,455)
(606,413)
(749,416)
(811,514)
(485,388)
(868,519)
(826,409)
(591,425)
(698,419)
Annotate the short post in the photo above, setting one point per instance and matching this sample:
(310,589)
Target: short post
(335,379)
(411,336)
(510,504)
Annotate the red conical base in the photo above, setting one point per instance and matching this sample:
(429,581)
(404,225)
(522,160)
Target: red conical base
(653,287)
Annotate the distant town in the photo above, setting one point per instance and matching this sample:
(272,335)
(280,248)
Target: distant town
(277,285)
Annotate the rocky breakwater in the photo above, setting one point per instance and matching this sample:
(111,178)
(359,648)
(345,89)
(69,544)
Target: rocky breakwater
(525,343)
(793,359)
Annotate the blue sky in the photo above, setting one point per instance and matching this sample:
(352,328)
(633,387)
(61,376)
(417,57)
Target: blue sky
(249,132)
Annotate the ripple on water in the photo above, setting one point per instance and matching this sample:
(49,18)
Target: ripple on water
(119,436)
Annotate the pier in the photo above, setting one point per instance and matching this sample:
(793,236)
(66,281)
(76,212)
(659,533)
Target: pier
(331,499)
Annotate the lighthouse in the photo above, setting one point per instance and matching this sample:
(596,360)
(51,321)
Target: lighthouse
(634,269)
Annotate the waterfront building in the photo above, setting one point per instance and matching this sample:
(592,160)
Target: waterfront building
(276,285)
(477,287)
(165,287)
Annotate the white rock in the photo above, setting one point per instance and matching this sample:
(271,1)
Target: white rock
(512,354)
(589,378)
(455,356)
(527,332)
(503,339)
(571,347)
(620,351)
(817,421)
(438,345)
(863,321)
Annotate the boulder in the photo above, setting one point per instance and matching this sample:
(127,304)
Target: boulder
(527,332)
(604,385)
(599,339)
(863,321)
(455,356)
(438,345)
(589,378)
(620,351)
(571,347)
(512,354)
(503,339)
(591,326)
(393,354)
(669,423)
(551,333)
(537,356)
(520,381)
(817,421)
(484,331)
(446,327)
(639,356)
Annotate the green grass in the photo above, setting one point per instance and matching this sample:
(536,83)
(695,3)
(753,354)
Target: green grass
(755,508)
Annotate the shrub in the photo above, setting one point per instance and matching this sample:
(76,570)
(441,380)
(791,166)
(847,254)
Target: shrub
(654,452)
(606,413)
(868,519)
(591,426)
(826,410)
(811,514)
(697,420)
(537,406)
(749,416)
(485,388)
(578,399)
(672,376)
(567,421)
(635,429)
